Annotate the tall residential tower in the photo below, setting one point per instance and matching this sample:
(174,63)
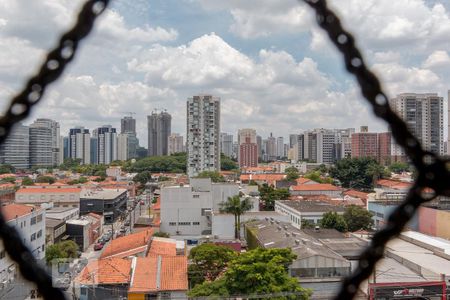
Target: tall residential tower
(159,129)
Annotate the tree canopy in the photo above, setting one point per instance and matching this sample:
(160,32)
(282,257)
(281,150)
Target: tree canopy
(175,163)
(27,181)
(45,179)
(143,177)
(208,262)
(291,173)
(227,164)
(66,249)
(9,179)
(269,194)
(399,167)
(5,169)
(357,218)
(357,173)
(214,175)
(256,272)
(317,176)
(333,220)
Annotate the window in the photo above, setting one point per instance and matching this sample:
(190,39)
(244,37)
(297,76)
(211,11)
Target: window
(184,223)
(33,220)
(172,223)
(33,237)
(195,223)
(39,218)
(39,233)
(195,196)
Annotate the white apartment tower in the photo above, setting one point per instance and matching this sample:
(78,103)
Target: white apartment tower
(203,134)
(80,144)
(15,151)
(424,116)
(122,146)
(226,144)
(176,143)
(106,138)
(44,143)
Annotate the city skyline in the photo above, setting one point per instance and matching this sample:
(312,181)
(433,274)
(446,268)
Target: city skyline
(289,60)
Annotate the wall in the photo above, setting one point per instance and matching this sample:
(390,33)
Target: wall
(434,222)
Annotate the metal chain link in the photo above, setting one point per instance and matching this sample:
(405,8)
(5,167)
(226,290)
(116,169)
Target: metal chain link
(18,110)
(433,175)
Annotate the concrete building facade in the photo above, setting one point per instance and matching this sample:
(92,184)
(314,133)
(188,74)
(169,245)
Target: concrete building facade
(15,151)
(176,143)
(226,144)
(80,144)
(203,134)
(44,143)
(106,138)
(159,130)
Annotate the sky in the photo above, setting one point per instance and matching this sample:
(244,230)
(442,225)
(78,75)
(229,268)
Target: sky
(273,68)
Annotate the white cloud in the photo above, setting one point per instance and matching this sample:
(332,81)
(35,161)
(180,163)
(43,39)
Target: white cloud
(437,60)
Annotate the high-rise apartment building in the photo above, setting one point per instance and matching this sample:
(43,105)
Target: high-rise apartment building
(271,147)
(343,146)
(122,146)
(365,144)
(325,141)
(106,137)
(94,147)
(293,139)
(259,143)
(248,148)
(226,144)
(80,144)
(384,148)
(203,134)
(128,124)
(15,151)
(44,143)
(159,129)
(176,143)
(280,147)
(424,116)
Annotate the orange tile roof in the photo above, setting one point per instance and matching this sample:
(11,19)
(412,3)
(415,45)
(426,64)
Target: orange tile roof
(131,252)
(7,175)
(394,184)
(157,205)
(10,211)
(356,194)
(315,187)
(106,271)
(127,243)
(303,180)
(262,177)
(172,274)
(48,190)
(162,246)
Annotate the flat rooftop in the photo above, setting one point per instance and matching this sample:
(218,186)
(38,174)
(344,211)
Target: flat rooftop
(311,206)
(107,194)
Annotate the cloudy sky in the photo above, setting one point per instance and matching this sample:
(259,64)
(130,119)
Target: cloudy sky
(273,68)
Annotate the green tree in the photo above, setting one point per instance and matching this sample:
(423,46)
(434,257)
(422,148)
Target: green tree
(399,167)
(227,164)
(256,272)
(269,194)
(316,176)
(161,234)
(357,218)
(66,249)
(70,163)
(45,179)
(208,262)
(234,205)
(214,175)
(27,181)
(5,169)
(358,173)
(307,224)
(333,220)
(143,177)
(8,179)
(291,173)
(175,163)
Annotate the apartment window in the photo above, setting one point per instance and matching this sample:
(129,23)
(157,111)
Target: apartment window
(172,223)
(196,196)
(39,233)
(33,220)
(39,218)
(184,223)
(33,237)
(195,223)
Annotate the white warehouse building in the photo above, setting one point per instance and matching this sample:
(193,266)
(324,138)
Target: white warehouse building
(188,209)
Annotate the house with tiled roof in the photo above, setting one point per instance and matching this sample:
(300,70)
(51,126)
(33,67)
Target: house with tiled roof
(107,278)
(133,244)
(159,277)
(316,189)
(59,196)
(29,221)
(269,179)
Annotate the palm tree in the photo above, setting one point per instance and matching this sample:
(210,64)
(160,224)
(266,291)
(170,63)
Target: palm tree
(235,206)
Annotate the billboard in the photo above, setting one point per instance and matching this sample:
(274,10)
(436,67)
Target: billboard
(435,290)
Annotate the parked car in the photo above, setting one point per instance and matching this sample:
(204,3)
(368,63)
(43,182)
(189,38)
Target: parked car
(98,246)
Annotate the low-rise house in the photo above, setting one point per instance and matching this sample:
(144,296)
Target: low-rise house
(136,244)
(316,189)
(62,213)
(55,231)
(85,230)
(30,222)
(269,179)
(57,195)
(305,210)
